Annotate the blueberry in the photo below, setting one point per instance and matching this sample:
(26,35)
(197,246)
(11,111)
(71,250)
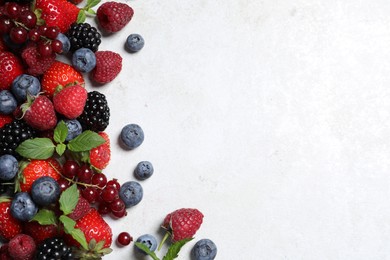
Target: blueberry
(204,249)
(134,42)
(74,128)
(84,60)
(45,190)
(132,136)
(143,170)
(8,167)
(65,42)
(8,102)
(131,193)
(23,207)
(149,241)
(24,84)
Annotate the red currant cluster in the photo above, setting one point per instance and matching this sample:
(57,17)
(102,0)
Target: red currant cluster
(20,23)
(94,187)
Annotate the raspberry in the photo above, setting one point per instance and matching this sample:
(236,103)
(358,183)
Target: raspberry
(108,66)
(113,16)
(37,64)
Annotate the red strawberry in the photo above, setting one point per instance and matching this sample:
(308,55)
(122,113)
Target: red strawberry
(113,16)
(183,223)
(82,208)
(22,247)
(10,68)
(108,66)
(9,226)
(5,119)
(99,157)
(36,64)
(34,169)
(70,101)
(39,232)
(60,74)
(58,13)
(39,113)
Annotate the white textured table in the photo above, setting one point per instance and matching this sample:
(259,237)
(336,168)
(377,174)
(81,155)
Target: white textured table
(271,117)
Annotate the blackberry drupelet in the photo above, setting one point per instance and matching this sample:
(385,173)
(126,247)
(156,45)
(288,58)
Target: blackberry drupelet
(96,114)
(83,35)
(54,248)
(13,134)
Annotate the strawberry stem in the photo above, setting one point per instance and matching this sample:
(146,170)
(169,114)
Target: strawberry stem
(163,241)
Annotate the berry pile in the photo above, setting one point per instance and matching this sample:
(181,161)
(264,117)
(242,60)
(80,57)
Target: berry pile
(55,192)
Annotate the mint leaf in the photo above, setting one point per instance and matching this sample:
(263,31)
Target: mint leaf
(146,249)
(60,149)
(68,199)
(68,224)
(79,236)
(91,11)
(174,249)
(92,3)
(45,217)
(85,141)
(60,132)
(37,148)
(81,17)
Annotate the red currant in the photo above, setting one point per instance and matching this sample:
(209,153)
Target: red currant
(99,179)
(56,46)
(18,35)
(52,32)
(103,208)
(109,193)
(91,194)
(120,214)
(44,48)
(28,18)
(70,168)
(117,205)
(34,35)
(124,239)
(5,25)
(63,183)
(84,174)
(114,183)
(12,9)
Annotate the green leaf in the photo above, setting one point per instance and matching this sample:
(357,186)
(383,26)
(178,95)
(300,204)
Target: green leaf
(81,17)
(37,148)
(45,217)
(60,149)
(91,11)
(60,132)
(146,249)
(85,141)
(79,236)
(69,199)
(92,3)
(174,249)
(68,224)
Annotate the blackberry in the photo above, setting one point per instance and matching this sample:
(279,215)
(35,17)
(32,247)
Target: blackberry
(13,134)
(55,249)
(83,35)
(96,114)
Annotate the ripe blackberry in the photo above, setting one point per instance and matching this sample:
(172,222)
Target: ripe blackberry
(54,248)
(13,134)
(83,35)
(96,114)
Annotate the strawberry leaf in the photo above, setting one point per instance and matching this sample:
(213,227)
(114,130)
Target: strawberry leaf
(45,217)
(37,148)
(60,149)
(85,141)
(146,249)
(60,132)
(174,249)
(81,17)
(68,199)
(79,236)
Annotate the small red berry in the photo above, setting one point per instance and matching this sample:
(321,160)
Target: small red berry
(124,238)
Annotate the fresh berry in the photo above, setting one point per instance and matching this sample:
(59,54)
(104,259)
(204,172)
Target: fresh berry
(108,66)
(70,101)
(74,129)
(39,113)
(114,183)
(113,16)
(10,68)
(36,63)
(117,205)
(60,74)
(131,193)
(83,35)
(84,60)
(22,247)
(96,114)
(8,102)
(99,179)
(65,42)
(99,157)
(91,194)
(149,241)
(143,170)
(8,167)
(25,84)
(4,255)
(23,207)
(183,223)
(9,226)
(124,238)
(45,191)
(39,232)
(204,249)
(13,134)
(134,42)
(70,169)
(3,46)
(5,119)
(82,208)
(109,194)
(84,174)
(54,248)
(132,136)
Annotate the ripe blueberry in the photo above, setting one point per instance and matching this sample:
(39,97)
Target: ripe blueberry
(8,167)
(149,241)
(204,249)
(7,102)
(132,136)
(131,193)
(23,85)
(45,190)
(143,170)
(23,207)
(135,42)
(84,60)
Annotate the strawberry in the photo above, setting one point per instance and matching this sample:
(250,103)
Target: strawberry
(9,226)
(182,223)
(70,101)
(39,113)
(60,74)
(5,119)
(10,68)
(108,66)
(99,157)
(39,232)
(82,208)
(113,16)
(58,13)
(34,169)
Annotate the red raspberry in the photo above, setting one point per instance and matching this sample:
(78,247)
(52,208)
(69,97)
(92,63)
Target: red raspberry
(36,63)
(22,247)
(113,16)
(108,66)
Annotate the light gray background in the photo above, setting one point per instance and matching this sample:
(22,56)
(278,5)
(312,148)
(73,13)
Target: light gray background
(271,117)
